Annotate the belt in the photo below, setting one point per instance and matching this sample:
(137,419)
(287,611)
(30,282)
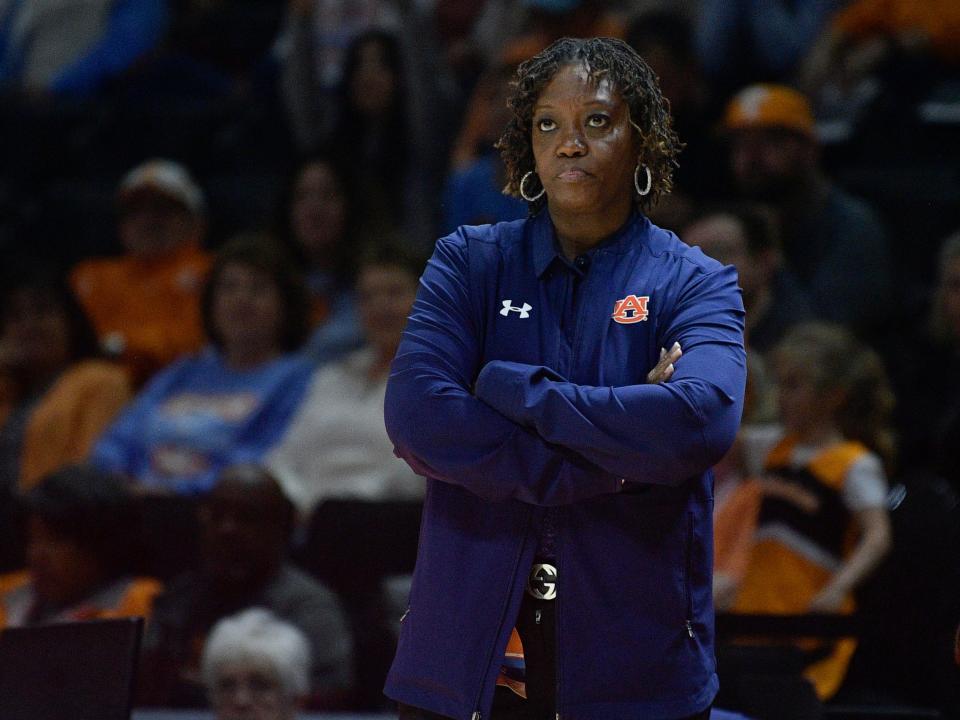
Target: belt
(542,582)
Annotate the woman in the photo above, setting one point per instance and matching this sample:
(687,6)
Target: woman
(56,396)
(256,666)
(336,446)
(81,546)
(317,225)
(569,502)
(232,402)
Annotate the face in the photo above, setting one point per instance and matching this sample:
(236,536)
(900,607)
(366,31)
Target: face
(250,691)
(722,238)
(373,84)
(769,164)
(583,145)
(800,401)
(63,572)
(318,211)
(153,224)
(950,289)
(36,329)
(243,530)
(386,294)
(247,307)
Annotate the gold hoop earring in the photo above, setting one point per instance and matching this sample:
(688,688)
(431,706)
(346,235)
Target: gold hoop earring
(636,180)
(523,192)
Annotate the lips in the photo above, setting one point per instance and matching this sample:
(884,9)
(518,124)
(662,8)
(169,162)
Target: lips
(574,174)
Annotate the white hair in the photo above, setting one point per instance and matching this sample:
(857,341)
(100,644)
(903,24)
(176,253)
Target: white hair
(257,635)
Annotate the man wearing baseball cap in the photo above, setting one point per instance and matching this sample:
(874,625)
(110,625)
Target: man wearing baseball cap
(144,304)
(834,243)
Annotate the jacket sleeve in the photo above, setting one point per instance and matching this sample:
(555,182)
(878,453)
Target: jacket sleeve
(442,430)
(646,433)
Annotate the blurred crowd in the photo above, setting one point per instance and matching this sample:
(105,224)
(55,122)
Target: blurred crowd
(213,218)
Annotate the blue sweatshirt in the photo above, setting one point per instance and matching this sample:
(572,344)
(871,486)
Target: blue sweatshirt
(519,389)
(199,416)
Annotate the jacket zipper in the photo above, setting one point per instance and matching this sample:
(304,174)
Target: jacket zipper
(688,560)
(503,613)
(562,513)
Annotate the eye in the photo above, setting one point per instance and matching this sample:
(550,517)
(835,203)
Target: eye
(598,120)
(546,125)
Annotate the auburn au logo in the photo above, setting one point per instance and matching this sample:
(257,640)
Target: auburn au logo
(631,309)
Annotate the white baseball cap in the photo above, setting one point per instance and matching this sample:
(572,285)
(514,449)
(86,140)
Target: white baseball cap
(167,178)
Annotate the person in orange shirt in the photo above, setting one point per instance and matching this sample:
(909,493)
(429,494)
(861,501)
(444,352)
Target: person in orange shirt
(56,394)
(80,551)
(144,304)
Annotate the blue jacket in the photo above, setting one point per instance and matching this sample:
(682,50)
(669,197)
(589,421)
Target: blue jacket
(517,386)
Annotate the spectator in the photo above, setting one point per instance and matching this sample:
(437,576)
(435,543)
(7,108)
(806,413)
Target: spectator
(245,523)
(389,176)
(316,39)
(144,304)
(746,237)
(80,550)
(336,446)
(743,41)
(231,402)
(256,666)
(56,395)
(831,241)
(318,225)
(928,415)
(664,38)
(824,483)
(73,48)
(474,189)
(905,45)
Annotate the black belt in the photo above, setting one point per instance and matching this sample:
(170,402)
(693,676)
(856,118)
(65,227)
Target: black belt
(542,581)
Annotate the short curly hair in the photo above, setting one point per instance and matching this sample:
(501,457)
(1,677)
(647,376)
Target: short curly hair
(634,80)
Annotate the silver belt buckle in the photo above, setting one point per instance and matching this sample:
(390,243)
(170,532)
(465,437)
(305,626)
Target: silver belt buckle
(542,582)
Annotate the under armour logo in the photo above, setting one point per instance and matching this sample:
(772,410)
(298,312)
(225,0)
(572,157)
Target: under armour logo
(508,308)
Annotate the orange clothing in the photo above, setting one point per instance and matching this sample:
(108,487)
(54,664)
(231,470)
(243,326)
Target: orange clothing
(734,522)
(793,560)
(126,597)
(939,20)
(147,310)
(70,416)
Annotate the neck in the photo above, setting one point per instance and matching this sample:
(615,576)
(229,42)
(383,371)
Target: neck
(580,232)
(819,434)
(249,356)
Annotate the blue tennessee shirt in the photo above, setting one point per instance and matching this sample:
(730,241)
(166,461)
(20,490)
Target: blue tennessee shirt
(519,390)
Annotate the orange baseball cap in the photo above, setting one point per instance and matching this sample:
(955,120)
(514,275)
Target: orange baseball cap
(769,106)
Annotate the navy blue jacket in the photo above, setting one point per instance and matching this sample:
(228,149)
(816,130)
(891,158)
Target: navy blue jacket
(520,383)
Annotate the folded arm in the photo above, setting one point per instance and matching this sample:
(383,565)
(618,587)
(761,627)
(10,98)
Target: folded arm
(442,430)
(652,433)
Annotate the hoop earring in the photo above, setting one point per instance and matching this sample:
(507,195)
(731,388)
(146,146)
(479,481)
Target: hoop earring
(523,193)
(636,180)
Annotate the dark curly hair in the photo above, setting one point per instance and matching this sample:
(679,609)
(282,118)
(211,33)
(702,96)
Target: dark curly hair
(658,145)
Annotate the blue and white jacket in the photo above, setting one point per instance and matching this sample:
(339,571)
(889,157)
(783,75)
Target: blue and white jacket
(520,386)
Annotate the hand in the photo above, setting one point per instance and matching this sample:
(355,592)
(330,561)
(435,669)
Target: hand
(663,370)
(828,600)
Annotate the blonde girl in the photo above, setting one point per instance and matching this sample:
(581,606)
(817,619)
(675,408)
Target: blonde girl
(823,525)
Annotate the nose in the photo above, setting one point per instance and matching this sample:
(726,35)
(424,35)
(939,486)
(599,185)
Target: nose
(572,144)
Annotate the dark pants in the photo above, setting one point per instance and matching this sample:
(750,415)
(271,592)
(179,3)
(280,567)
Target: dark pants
(535,624)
